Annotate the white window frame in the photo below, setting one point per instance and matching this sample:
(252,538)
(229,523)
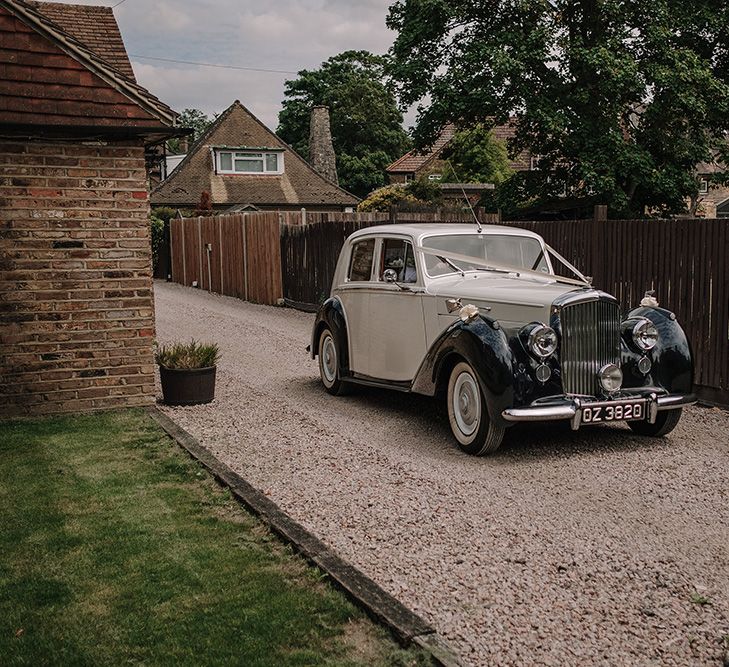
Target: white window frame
(248,153)
(703,186)
(435,177)
(534,163)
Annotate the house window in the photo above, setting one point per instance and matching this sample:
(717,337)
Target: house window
(249,162)
(703,186)
(435,177)
(534,162)
(409,177)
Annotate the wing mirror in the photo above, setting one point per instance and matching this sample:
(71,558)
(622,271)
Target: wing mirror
(389,276)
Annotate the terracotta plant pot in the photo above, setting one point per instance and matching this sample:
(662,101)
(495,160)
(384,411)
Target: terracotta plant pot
(187,386)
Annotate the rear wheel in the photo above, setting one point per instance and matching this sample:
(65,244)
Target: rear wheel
(329,364)
(468,414)
(666,421)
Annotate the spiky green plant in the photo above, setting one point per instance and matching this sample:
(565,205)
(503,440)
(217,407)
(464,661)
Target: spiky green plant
(187,355)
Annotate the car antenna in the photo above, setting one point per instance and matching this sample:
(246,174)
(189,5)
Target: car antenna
(463,190)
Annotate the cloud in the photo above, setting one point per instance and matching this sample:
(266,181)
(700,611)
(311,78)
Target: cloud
(278,34)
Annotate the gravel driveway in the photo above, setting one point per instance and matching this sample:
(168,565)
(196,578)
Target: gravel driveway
(588,548)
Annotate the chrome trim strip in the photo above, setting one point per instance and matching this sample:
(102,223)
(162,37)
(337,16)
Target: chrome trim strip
(537,414)
(675,401)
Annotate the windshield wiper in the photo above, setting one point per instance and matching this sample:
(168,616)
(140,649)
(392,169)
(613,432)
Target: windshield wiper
(490,268)
(452,265)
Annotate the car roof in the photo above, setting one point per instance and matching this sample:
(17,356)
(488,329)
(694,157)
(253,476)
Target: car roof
(420,230)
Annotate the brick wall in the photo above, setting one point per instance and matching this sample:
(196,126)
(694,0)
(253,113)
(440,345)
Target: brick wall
(76,305)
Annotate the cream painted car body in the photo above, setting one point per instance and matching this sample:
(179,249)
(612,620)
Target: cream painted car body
(389,339)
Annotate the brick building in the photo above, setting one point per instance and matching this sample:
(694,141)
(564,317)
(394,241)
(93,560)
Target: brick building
(76,306)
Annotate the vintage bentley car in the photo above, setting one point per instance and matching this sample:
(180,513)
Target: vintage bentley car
(501,325)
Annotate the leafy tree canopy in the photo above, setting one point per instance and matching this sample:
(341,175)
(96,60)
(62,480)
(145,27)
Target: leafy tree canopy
(419,192)
(475,156)
(195,119)
(366,123)
(620,98)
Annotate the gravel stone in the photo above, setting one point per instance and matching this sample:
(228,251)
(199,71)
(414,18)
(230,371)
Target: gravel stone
(586,548)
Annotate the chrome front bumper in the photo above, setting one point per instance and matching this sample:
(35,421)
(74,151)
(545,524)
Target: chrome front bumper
(568,407)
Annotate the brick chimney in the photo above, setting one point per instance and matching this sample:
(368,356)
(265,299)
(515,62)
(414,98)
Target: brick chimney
(321,149)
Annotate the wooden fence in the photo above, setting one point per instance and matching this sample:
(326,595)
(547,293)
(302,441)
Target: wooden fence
(235,255)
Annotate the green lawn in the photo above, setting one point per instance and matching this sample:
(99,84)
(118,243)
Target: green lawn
(116,547)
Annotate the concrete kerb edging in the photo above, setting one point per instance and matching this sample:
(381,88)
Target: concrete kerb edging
(407,626)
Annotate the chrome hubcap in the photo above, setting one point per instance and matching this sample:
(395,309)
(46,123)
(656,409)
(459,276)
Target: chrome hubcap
(466,403)
(329,359)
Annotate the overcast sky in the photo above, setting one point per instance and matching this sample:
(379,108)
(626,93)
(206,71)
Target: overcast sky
(287,35)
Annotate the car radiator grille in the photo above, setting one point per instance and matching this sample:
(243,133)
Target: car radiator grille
(590,340)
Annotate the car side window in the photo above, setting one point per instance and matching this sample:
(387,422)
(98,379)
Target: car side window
(360,265)
(397,254)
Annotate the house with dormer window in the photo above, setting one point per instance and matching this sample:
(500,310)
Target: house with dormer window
(244,166)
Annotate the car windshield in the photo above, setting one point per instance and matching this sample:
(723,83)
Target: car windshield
(510,250)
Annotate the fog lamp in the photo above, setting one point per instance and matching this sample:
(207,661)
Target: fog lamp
(611,378)
(644,365)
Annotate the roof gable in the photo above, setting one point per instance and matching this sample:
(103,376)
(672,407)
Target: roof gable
(415,160)
(298,185)
(50,78)
(93,26)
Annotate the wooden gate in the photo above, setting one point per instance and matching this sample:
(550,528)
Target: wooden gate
(235,255)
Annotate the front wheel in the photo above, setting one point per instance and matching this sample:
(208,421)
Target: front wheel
(329,364)
(666,421)
(468,414)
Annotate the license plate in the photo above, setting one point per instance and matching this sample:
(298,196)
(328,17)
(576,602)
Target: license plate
(614,411)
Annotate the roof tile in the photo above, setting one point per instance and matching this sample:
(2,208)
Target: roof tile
(93,26)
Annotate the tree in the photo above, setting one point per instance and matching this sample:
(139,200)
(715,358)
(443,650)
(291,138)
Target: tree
(366,123)
(420,192)
(475,156)
(619,98)
(195,119)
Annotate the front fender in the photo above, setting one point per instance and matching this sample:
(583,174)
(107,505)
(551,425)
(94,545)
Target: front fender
(331,315)
(483,344)
(672,362)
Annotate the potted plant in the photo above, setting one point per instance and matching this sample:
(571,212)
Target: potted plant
(187,372)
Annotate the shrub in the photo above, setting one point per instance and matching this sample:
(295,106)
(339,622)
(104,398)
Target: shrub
(165,213)
(157,236)
(187,355)
(383,199)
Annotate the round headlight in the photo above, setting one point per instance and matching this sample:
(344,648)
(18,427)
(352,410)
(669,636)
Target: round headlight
(645,334)
(611,378)
(542,341)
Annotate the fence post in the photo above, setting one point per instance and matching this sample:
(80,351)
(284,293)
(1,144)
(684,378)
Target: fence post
(199,251)
(245,254)
(220,246)
(596,266)
(170,277)
(184,258)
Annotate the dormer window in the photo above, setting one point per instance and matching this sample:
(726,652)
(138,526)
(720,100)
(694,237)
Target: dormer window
(249,162)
